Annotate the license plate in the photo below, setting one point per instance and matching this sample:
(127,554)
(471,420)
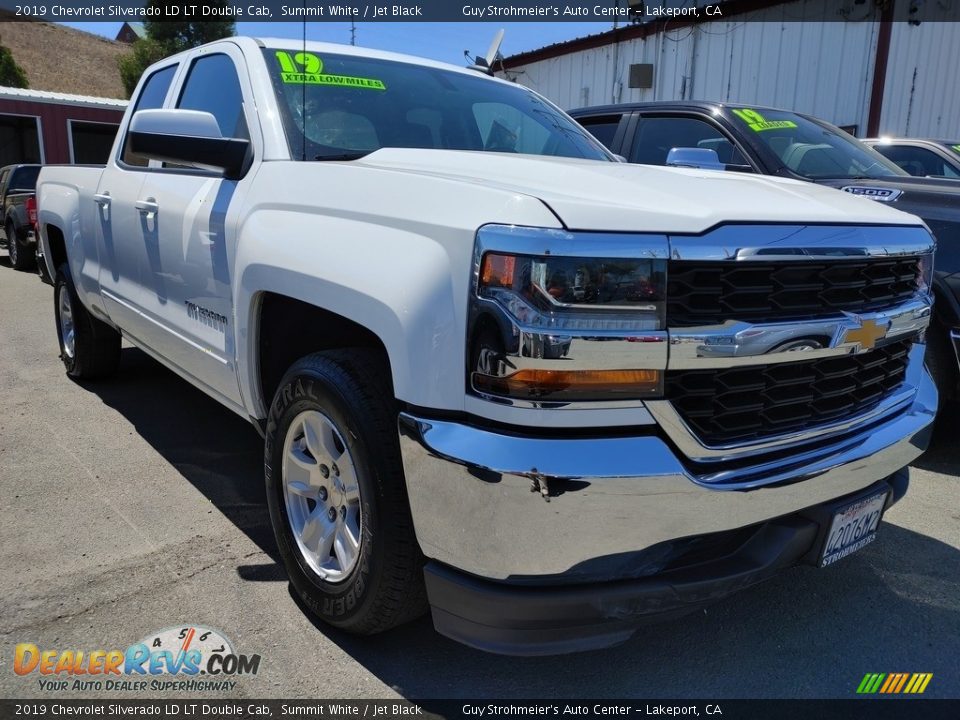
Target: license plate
(853,528)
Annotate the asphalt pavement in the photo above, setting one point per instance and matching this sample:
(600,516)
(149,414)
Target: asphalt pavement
(137,504)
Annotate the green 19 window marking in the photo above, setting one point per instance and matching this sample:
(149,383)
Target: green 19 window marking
(307,68)
(756,122)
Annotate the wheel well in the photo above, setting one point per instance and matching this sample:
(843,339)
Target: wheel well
(290,329)
(58,246)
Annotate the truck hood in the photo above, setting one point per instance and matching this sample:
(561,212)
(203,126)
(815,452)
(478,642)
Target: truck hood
(621,197)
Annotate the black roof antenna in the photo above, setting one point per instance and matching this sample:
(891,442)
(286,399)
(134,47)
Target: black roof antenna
(485,64)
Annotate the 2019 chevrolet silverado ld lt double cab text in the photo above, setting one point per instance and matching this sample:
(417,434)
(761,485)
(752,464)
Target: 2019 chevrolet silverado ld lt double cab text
(764,140)
(499,373)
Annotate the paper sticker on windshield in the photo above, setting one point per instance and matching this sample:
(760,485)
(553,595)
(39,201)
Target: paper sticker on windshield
(956,148)
(304,68)
(758,123)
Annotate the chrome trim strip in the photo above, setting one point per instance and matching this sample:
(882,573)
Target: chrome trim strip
(802,243)
(690,445)
(548,241)
(741,343)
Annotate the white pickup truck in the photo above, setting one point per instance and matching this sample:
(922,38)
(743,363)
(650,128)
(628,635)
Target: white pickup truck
(498,372)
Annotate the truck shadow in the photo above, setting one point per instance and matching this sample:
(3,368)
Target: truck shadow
(943,454)
(217,451)
(806,633)
(893,606)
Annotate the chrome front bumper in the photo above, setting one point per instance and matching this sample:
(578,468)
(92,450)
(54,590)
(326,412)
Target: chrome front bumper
(601,501)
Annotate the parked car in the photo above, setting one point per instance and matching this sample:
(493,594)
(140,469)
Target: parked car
(362,252)
(17,186)
(792,145)
(921,158)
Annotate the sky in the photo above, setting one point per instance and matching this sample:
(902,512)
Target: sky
(437,41)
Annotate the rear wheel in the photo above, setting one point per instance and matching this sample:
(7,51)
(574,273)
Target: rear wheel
(21,256)
(336,493)
(89,347)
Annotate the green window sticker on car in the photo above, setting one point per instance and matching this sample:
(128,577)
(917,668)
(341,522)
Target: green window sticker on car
(758,123)
(956,148)
(305,68)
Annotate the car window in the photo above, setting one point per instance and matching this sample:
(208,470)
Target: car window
(917,160)
(657,136)
(3,178)
(151,98)
(603,128)
(213,86)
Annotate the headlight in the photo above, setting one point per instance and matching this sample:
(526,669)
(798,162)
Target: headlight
(561,317)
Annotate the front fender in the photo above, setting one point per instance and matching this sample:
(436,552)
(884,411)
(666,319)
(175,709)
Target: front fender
(397,284)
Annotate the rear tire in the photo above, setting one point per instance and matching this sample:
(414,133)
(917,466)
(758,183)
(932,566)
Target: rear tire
(22,257)
(89,348)
(332,465)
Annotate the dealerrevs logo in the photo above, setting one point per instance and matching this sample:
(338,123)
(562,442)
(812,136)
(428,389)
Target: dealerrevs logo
(182,653)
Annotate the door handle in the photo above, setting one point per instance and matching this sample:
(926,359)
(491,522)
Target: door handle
(148,207)
(102,199)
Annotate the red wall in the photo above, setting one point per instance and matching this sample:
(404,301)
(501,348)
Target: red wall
(53,122)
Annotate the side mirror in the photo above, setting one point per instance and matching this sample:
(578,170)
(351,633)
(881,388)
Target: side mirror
(702,158)
(188,137)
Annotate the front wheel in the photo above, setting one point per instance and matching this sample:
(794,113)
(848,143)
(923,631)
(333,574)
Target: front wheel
(89,347)
(21,255)
(337,496)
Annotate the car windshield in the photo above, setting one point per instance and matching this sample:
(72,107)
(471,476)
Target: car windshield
(341,107)
(25,178)
(812,150)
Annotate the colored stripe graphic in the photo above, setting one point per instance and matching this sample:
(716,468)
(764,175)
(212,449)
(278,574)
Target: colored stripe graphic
(893,683)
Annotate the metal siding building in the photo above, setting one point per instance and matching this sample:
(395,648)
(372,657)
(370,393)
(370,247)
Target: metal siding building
(825,69)
(49,127)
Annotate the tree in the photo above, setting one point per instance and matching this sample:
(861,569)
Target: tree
(166,38)
(145,53)
(11,74)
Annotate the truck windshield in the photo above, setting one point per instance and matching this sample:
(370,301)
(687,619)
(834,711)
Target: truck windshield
(340,107)
(813,150)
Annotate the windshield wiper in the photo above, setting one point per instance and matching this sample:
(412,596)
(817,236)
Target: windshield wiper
(344,155)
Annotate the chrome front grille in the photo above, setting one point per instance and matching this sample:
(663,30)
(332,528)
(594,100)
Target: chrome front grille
(709,292)
(739,404)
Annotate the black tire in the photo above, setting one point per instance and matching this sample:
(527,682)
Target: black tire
(22,256)
(941,363)
(95,350)
(385,587)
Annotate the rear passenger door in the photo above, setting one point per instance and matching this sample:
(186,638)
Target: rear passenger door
(121,264)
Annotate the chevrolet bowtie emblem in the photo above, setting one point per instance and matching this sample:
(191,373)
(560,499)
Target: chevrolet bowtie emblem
(868,333)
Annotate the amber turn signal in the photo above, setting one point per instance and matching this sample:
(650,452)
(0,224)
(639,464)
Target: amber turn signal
(571,384)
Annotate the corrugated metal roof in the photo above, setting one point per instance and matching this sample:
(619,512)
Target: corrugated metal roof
(45,96)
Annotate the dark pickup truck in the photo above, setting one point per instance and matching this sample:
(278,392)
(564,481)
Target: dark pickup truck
(18,185)
(787,144)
